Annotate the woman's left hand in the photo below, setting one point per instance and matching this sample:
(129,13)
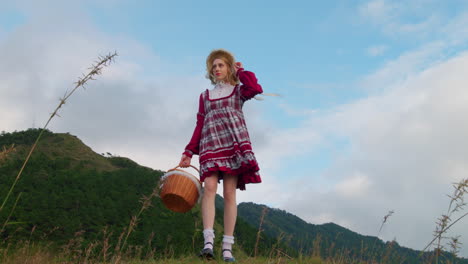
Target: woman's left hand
(238,65)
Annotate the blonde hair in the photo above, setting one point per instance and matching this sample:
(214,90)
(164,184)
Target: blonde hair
(228,58)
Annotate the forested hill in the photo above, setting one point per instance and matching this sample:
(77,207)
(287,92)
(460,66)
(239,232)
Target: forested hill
(330,239)
(68,192)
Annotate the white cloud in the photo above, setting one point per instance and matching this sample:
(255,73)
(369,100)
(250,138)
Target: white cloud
(377,50)
(456,30)
(405,65)
(292,111)
(396,19)
(353,186)
(124,111)
(407,145)
(378,10)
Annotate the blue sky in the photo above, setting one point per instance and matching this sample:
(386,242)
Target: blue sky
(371,117)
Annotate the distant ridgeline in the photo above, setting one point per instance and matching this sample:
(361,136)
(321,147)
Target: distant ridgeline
(69,192)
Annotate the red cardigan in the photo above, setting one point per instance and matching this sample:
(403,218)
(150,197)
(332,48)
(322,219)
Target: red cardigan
(249,89)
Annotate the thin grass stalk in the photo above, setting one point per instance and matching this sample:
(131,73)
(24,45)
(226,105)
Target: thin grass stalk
(95,70)
(196,230)
(11,212)
(390,213)
(445,230)
(264,211)
(117,249)
(105,245)
(89,251)
(443,222)
(316,246)
(455,245)
(4,153)
(460,190)
(146,203)
(150,251)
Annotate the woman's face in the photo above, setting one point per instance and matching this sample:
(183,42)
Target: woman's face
(220,70)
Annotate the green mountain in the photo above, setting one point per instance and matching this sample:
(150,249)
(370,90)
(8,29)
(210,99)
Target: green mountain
(70,195)
(330,240)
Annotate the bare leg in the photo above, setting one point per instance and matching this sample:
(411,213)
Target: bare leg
(230,205)
(208,201)
(208,215)
(230,214)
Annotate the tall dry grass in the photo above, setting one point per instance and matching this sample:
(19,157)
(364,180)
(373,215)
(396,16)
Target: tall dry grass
(39,255)
(5,151)
(146,202)
(95,69)
(101,252)
(453,215)
(264,211)
(384,221)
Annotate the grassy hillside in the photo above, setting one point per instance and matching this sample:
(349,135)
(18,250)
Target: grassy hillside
(331,241)
(74,204)
(54,146)
(70,193)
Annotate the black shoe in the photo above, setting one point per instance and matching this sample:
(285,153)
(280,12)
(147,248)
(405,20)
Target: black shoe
(207,253)
(232,259)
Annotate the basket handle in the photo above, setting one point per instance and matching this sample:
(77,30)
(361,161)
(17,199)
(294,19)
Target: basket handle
(181,167)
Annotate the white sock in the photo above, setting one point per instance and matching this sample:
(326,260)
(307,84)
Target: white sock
(209,236)
(227,244)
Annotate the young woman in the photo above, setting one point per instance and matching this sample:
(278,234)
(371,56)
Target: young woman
(222,142)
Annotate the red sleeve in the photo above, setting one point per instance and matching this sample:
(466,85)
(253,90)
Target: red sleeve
(250,86)
(193,146)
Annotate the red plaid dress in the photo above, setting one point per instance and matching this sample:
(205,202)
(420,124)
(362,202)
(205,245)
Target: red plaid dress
(221,138)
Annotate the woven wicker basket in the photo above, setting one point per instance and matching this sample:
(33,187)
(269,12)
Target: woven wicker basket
(180,190)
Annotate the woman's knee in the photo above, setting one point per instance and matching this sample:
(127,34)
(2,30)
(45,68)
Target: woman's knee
(230,185)
(229,194)
(211,185)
